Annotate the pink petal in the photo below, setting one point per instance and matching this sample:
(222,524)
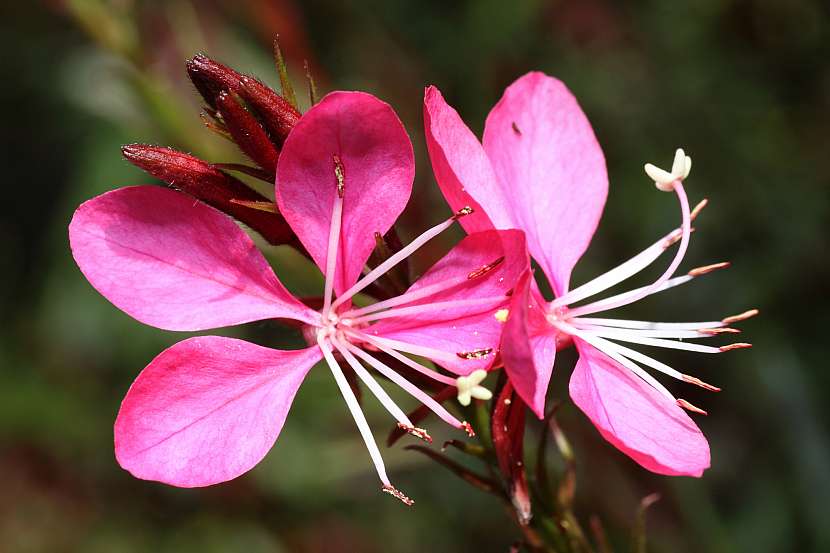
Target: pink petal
(528,346)
(460,165)
(207,409)
(175,263)
(637,419)
(464,328)
(379,168)
(551,169)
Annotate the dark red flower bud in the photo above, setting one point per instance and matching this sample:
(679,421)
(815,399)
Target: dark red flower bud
(508,429)
(247,133)
(205,182)
(211,77)
(276,113)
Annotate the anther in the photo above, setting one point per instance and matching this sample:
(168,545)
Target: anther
(397,494)
(340,175)
(516,128)
(716,331)
(501,315)
(698,208)
(475,354)
(689,407)
(484,269)
(740,317)
(699,382)
(419,433)
(706,269)
(466,210)
(739,345)
(468,429)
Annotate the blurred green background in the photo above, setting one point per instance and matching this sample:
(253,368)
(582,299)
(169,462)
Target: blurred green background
(743,85)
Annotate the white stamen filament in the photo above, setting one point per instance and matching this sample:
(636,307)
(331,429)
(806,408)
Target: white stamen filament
(331,254)
(634,338)
(372,384)
(625,323)
(601,305)
(613,354)
(408,297)
(681,252)
(356,411)
(645,332)
(407,386)
(430,353)
(393,260)
(615,275)
(404,359)
(641,358)
(427,307)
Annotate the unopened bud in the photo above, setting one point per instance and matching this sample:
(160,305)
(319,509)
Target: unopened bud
(210,78)
(205,182)
(247,132)
(277,114)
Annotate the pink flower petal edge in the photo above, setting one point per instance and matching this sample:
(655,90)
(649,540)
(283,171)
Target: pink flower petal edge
(638,420)
(458,161)
(364,136)
(207,409)
(544,152)
(528,347)
(541,169)
(175,263)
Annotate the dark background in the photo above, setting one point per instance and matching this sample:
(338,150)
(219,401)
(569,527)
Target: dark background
(743,86)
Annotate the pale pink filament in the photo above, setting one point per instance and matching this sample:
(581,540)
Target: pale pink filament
(655,286)
(413,390)
(427,307)
(331,255)
(356,411)
(393,260)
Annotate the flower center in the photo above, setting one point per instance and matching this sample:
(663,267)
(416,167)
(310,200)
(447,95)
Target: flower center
(342,334)
(604,333)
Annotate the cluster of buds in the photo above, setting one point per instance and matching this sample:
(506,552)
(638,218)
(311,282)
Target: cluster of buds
(255,118)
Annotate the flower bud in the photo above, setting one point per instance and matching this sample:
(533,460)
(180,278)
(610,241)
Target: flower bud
(508,427)
(247,133)
(278,116)
(205,182)
(276,113)
(211,77)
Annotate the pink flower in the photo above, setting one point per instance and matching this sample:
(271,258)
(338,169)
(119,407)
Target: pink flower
(541,170)
(209,408)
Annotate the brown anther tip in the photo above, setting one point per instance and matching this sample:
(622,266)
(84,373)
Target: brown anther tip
(397,494)
(699,382)
(689,407)
(340,175)
(468,429)
(706,269)
(466,210)
(475,354)
(484,269)
(516,128)
(739,345)
(721,330)
(740,316)
(698,208)
(419,433)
